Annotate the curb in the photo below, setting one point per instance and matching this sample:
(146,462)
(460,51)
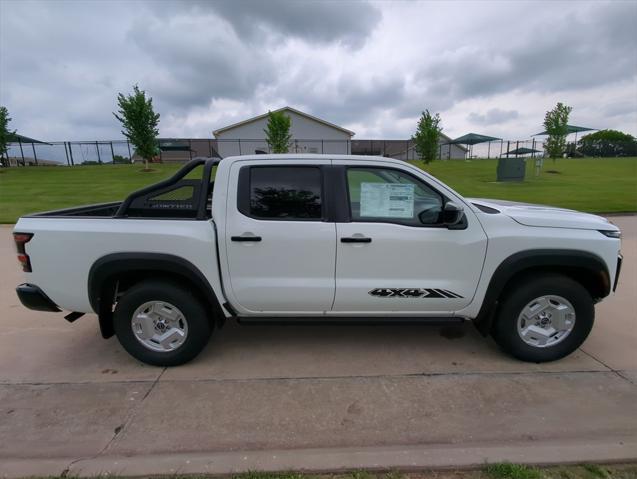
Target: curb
(405,458)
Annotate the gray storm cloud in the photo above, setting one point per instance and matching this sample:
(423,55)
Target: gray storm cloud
(493,116)
(372,65)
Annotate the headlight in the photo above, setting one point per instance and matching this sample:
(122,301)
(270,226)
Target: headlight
(611,233)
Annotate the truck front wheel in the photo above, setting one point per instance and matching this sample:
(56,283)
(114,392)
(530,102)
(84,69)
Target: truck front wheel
(544,317)
(161,323)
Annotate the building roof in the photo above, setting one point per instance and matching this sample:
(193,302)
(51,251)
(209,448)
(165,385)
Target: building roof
(285,108)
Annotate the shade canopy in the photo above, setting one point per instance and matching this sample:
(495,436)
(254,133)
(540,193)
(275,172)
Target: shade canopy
(522,151)
(569,129)
(472,139)
(170,144)
(16,138)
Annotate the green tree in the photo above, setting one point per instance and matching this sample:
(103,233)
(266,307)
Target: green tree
(608,143)
(427,136)
(5,135)
(139,122)
(555,125)
(277,132)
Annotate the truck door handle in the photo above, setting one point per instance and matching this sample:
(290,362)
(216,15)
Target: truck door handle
(244,239)
(356,239)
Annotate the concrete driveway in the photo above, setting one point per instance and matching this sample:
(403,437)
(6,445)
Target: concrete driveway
(311,397)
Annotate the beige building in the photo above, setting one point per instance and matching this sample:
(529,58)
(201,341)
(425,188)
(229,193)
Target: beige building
(309,135)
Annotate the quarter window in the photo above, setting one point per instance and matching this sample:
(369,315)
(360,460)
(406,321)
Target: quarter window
(285,193)
(388,195)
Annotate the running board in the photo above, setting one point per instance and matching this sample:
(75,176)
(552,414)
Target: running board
(347,320)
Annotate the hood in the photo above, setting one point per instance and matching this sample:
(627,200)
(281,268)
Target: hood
(546,216)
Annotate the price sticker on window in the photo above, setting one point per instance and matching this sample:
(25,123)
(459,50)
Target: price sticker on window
(387,200)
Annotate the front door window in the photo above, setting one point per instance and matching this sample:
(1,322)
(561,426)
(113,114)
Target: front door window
(392,196)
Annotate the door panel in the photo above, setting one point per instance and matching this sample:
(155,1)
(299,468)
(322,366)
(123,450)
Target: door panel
(407,269)
(290,270)
(409,263)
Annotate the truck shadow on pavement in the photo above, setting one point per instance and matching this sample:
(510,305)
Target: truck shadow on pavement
(57,352)
(311,350)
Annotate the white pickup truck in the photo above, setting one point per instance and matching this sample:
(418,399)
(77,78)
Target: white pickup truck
(317,238)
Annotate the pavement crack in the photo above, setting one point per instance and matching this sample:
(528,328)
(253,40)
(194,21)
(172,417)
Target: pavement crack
(118,430)
(121,428)
(613,370)
(619,373)
(423,374)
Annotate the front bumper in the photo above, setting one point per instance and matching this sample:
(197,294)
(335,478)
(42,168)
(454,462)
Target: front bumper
(620,258)
(33,297)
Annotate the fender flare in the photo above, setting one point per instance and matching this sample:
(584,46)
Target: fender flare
(115,264)
(540,259)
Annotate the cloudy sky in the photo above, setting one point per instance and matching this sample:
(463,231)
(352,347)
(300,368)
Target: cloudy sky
(372,67)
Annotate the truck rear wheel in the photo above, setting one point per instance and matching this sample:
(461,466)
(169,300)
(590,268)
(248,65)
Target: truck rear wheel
(160,323)
(544,317)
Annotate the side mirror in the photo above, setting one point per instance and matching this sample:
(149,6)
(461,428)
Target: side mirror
(452,214)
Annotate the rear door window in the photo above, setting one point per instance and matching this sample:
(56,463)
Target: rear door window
(292,193)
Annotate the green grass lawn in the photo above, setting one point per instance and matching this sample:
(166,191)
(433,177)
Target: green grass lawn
(589,184)
(595,185)
(491,471)
(31,189)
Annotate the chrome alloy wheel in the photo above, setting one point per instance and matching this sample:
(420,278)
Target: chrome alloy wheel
(159,326)
(546,321)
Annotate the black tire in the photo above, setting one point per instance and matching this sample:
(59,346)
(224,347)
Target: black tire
(199,326)
(525,290)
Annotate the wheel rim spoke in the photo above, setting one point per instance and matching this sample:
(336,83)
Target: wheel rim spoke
(169,337)
(536,307)
(166,311)
(143,326)
(563,317)
(536,334)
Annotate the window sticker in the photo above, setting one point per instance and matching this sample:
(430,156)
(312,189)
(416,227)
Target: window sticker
(387,200)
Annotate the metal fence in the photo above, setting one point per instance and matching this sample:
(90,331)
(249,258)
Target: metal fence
(174,150)
(506,148)
(179,150)
(73,153)
(69,153)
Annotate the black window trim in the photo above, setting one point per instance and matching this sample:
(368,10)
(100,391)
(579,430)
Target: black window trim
(348,205)
(244,192)
(336,194)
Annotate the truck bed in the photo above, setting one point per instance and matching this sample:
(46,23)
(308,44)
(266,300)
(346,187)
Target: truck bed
(99,210)
(185,195)
(63,249)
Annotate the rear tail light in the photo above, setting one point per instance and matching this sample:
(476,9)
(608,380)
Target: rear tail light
(21,239)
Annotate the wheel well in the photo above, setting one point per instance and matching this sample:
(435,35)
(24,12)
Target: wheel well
(584,268)
(116,285)
(592,281)
(595,283)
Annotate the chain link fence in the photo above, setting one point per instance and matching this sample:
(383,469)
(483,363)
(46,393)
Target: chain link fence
(180,150)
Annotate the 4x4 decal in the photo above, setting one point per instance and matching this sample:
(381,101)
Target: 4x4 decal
(413,293)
